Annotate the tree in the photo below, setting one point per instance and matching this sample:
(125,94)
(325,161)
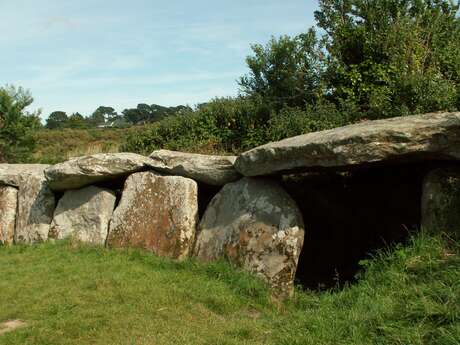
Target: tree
(76,120)
(57,119)
(102,115)
(392,57)
(286,71)
(98,117)
(132,115)
(17,126)
(145,113)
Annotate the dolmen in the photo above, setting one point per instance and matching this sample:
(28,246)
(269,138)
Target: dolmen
(129,200)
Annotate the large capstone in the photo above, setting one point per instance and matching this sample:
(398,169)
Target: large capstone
(157,213)
(255,224)
(412,138)
(82,171)
(8,206)
(84,215)
(212,170)
(441,202)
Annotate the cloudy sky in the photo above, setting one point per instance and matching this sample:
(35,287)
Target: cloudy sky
(76,55)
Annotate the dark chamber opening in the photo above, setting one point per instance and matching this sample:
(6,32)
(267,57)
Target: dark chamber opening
(205,194)
(349,215)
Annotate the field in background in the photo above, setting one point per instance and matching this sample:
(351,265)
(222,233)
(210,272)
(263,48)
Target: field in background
(54,146)
(72,294)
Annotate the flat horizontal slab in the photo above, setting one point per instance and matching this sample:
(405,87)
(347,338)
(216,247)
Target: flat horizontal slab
(83,171)
(416,137)
(209,169)
(15,174)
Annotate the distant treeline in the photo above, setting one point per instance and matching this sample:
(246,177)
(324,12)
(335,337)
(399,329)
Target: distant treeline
(105,116)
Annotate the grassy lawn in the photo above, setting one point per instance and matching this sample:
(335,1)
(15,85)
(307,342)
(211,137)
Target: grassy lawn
(71,294)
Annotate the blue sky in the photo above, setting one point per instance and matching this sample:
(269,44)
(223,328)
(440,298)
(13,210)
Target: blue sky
(77,55)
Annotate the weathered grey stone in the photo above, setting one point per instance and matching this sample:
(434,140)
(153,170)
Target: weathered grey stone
(213,170)
(420,137)
(158,213)
(84,215)
(13,174)
(8,206)
(35,200)
(82,171)
(35,210)
(441,201)
(255,224)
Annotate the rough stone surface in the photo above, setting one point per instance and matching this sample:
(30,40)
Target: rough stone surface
(8,206)
(35,210)
(158,213)
(84,215)
(420,137)
(82,171)
(13,174)
(257,225)
(35,200)
(441,201)
(213,170)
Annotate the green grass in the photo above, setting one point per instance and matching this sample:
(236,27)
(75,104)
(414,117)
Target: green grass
(72,294)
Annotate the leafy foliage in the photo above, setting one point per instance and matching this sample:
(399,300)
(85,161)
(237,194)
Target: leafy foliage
(392,57)
(17,126)
(285,72)
(230,125)
(376,59)
(57,119)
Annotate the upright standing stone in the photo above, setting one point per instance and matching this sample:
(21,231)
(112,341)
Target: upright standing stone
(257,225)
(35,210)
(441,201)
(8,206)
(84,215)
(35,200)
(158,213)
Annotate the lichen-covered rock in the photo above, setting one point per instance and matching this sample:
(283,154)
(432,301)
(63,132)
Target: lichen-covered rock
(441,201)
(82,171)
(212,170)
(36,205)
(158,213)
(418,137)
(35,200)
(13,174)
(257,225)
(8,206)
(84,215)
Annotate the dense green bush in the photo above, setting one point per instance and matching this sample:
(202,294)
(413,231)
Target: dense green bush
(376,59)
(222,125)
(392,57)
(17,126)
(231,125)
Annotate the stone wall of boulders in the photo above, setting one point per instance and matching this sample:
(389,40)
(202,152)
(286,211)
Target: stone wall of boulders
(128,200)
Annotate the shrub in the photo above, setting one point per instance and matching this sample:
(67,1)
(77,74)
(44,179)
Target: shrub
(16,125)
